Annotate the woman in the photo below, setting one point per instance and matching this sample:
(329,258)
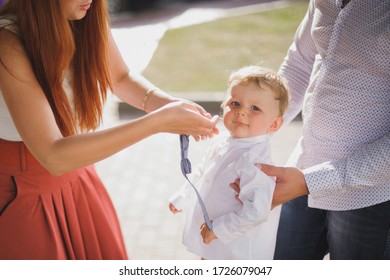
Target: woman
(58,61)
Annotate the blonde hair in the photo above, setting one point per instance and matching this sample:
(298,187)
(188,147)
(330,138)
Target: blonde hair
(262,76)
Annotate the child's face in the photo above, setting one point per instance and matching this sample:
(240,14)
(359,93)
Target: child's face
(251,111)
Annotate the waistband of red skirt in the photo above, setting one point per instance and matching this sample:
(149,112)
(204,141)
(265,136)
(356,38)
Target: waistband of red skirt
(15,154)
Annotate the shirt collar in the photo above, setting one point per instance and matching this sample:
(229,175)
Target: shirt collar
(248,141)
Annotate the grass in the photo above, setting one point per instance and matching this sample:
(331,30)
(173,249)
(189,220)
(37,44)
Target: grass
(199,58)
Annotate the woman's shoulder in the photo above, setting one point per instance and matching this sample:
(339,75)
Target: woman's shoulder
(10,43)
(8,23)
(13,54)
(9,32)
(8,28)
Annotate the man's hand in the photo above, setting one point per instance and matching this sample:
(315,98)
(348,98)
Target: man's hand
(290,183)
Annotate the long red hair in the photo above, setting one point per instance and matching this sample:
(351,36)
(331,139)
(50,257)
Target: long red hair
(56,45)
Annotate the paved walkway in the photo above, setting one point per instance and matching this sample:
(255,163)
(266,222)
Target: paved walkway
(142,177)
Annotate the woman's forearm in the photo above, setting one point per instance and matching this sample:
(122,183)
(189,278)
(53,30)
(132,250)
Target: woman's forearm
(68,153)
(140,93)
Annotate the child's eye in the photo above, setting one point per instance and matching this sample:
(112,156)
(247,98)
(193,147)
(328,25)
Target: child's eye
(255,108)
(234,104)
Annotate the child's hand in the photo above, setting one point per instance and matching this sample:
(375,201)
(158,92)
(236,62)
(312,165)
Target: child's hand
(208,235)
(173,209)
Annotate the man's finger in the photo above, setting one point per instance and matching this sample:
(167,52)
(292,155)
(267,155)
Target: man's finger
(270,170)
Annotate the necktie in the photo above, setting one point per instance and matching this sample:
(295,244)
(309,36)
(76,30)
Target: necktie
(186,169)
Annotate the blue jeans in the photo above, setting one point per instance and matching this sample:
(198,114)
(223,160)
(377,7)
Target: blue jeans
(307,233)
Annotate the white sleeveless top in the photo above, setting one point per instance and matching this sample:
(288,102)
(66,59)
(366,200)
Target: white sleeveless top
(8,130)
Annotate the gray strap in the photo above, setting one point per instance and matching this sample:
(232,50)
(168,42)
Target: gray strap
(186,169)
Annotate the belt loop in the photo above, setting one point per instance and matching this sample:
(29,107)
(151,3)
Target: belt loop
(22,157)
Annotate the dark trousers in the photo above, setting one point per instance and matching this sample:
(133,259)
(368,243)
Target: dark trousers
(307,233)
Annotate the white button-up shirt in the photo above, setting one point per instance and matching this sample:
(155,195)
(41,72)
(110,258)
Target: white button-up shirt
(245,230)
(338,69)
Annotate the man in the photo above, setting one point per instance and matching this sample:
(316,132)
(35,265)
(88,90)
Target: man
(338,69)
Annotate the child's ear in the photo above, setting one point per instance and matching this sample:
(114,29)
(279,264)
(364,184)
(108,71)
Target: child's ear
(276,124)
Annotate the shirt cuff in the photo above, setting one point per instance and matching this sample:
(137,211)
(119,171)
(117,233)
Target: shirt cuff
(323,180)
(178,200)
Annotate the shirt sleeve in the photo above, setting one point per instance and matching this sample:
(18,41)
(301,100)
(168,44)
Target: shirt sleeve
(366,168)
(256,197)
(180,198)
(298,64)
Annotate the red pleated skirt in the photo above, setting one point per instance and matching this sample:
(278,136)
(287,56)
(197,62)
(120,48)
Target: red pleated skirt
(54,217)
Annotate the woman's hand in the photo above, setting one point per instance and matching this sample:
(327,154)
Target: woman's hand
(185,117)
(204,113)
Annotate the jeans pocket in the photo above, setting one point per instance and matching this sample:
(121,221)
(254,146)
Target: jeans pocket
(8,192)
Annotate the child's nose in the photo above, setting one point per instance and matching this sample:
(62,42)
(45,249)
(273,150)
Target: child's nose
(240,112)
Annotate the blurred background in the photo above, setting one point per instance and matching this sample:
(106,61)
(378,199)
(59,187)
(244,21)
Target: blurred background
(118,6)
